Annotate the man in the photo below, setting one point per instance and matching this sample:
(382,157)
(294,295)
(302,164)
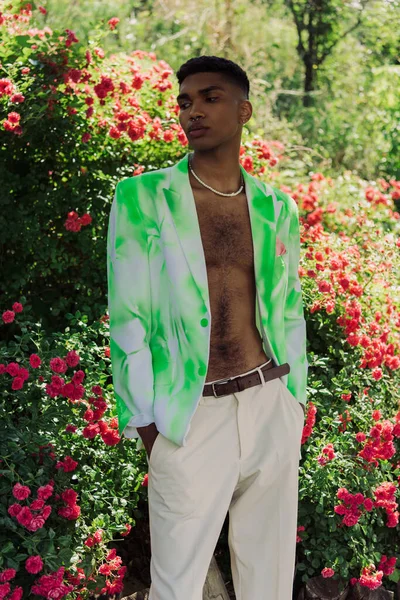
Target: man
(203,288)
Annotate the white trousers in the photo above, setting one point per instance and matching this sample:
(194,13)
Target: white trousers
(242,456)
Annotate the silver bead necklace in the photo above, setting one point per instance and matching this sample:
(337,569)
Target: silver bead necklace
(212,189)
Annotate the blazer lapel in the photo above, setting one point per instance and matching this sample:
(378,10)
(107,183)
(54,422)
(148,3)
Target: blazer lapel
(179,197)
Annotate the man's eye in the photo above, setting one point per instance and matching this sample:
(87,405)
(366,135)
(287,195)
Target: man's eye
(182,106)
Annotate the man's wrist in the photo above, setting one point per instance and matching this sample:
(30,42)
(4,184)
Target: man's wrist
(147,431)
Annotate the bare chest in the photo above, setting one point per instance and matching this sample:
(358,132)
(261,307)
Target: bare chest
(225,230)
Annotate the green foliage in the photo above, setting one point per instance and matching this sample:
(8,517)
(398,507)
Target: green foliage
(34,441)
(59,168)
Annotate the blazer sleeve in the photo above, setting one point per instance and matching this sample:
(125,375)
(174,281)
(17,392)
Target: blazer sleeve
(295,324)
(129,307)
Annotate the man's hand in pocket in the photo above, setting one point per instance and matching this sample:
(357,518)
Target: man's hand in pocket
(148,435)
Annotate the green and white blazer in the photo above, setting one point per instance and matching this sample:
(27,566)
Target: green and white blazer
(158,300)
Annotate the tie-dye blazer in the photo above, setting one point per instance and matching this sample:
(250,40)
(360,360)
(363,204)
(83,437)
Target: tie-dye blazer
(159,307)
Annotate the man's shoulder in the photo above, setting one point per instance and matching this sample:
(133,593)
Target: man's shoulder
(147,180)
(284,197)
(286,205)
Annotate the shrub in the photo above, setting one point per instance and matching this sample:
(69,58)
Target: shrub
(106,118)
(74,122)
(69,486)
(350,472)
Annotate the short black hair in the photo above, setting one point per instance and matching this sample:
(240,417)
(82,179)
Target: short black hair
(215,64)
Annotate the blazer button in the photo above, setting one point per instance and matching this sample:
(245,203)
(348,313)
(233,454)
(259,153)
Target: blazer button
(204,322)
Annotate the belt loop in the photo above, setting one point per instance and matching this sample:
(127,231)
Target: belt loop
(261,375)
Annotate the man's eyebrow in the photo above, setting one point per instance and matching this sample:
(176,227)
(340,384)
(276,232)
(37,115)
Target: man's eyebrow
(203,91)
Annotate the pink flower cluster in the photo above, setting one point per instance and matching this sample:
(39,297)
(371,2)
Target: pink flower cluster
(350,505)
(72,510)
(299,528)
(137,122)
(387,565)
(385,498)
(18,373)
(73,390)
(328,453)
(34,516)
(107,431)
(379,444)
(113,568)
(97,426)
(67,465)
(74,222)
(377,197)
(127,530)
(377,351)
(264,152)
(310,422)
(94,539)
(12,123)
(113,22)
(105,86)
(71,39)
(6,87)
(77,579)
(370,577)
(336,275)
(97,406)
(344,419)
(9,315)
(60,365)
(52,586)
(5,587)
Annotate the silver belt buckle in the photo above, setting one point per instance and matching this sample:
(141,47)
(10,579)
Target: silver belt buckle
(218,383)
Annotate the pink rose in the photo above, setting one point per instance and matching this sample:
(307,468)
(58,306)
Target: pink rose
(7,575)
(34,564)
(20,492)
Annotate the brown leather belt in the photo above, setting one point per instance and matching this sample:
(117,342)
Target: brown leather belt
(240,383)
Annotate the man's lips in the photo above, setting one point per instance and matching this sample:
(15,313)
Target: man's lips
(197,127)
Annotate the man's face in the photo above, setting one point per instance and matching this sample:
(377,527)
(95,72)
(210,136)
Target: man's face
(218,109)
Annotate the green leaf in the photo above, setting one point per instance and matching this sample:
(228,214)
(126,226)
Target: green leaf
(8,548)
(22,40)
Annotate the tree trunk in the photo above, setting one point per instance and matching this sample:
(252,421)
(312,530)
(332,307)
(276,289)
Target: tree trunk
(308,81)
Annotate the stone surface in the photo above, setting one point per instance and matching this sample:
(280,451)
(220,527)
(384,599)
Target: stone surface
(143,595)
(360,592)
(214,587)
(325,588)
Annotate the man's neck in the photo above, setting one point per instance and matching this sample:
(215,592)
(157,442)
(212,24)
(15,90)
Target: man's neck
(221,173)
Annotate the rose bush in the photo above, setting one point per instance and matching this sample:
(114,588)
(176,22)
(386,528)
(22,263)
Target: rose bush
(350,472)
(68,486)
(74,122)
